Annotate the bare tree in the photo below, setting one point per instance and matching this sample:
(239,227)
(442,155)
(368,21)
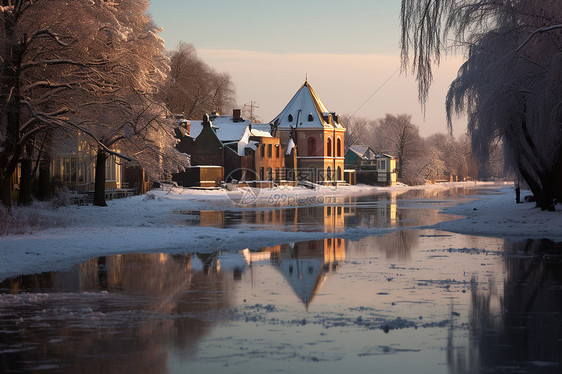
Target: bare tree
(359,130)
(403,138)
(510,84)
(193,88)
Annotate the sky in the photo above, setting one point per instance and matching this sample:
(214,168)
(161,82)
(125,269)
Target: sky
(348,51)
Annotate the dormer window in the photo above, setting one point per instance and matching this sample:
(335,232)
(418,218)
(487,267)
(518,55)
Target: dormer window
(290,118)
(310,118)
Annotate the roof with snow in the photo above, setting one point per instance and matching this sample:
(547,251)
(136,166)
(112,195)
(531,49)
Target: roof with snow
(385,155)
(306,110)
(261,129)
(226,128)
(290,146)
(231,131)
(363,151)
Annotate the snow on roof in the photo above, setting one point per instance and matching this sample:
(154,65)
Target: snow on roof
(306,110)
(290,146)
(244,141)
(227,130)
(261,129)
(380,155)
(363,151)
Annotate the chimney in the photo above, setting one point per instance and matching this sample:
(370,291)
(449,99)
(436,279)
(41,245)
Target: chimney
(236,115)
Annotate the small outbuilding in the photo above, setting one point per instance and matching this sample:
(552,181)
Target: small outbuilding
(370,167)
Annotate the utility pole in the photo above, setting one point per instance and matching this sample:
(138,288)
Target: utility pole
(252,105)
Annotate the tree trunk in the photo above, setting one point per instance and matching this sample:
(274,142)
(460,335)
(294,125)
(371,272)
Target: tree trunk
(10,93)
(99,191)
(45,188)
(5,187)
(24,197)
(26,178)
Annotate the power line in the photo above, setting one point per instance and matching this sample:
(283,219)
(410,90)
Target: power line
(377,90)
(252,105)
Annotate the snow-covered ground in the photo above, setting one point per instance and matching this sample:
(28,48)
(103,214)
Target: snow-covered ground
(498,215)
(149,223)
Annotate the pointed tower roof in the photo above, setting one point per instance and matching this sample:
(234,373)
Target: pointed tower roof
(306,110)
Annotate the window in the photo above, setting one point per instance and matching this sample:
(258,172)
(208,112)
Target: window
(310,118)
(277,150)
(329,147)
(269,174)
(338,175)
(311,146)
(329,174)
(262,150)
(382,164)
(269,150)
(290,118)
(261,174)
(110,168)
(277,174)
(338,147)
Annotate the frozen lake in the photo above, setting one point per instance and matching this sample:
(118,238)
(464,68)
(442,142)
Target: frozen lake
(412,300)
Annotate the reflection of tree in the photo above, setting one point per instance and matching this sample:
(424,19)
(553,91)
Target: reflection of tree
(395,245)
(525,332)
(152,301)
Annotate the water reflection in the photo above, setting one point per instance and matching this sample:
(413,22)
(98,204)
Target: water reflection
(111,314)
(382,210)
(306,265)
(519,328)
(139,312)
(395,245)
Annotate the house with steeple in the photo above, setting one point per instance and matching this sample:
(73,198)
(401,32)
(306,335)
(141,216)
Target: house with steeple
(317,133)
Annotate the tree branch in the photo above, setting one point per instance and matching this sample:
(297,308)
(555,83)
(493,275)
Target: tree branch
(538,31)
(60,61)
(48,33)
(45,84)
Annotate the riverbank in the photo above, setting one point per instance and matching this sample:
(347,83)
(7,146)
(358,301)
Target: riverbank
(498,215)
(149,224)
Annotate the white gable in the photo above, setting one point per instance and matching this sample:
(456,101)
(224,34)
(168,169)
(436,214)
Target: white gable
(304,110)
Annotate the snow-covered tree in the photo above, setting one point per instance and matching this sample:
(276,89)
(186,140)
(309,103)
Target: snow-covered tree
(193,88)
(129,118)
(73,67)
(511,83)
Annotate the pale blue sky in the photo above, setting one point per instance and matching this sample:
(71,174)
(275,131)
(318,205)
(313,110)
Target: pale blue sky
(289,26)
(347,48)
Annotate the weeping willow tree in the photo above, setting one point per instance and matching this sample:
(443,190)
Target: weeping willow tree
(510,85)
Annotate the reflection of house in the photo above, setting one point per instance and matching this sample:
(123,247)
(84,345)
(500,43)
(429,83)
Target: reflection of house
(247,152)
(371,168)
(318,134)
(306,265)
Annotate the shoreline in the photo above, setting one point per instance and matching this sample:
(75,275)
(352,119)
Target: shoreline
(144,224)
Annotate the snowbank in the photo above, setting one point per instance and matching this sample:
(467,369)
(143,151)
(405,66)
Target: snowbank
(147,223)
(498,215)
